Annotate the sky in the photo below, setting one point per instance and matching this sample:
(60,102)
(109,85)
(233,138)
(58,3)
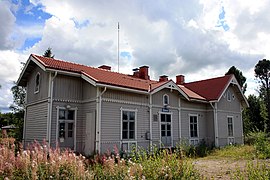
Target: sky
(197,38)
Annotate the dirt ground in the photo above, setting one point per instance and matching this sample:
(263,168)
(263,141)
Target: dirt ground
(218,168)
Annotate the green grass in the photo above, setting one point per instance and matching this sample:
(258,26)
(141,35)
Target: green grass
(246,152)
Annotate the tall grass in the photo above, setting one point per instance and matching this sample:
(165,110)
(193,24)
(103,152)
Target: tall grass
(254,171)
(39,161)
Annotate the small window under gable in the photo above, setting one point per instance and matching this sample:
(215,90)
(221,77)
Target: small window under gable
(165,100)
(229,95)
(37,82)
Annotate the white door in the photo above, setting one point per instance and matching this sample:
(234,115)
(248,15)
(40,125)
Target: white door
(166,130)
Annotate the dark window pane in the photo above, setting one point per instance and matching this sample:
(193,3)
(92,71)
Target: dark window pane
(70,126)
(61,114)
(131,134)
(195,120)
(62,130)
(125,134)
(163,127)
(195,134)
(165,99)
(125,115)
(132,116)
(168,127)
(168,118)
(70,115)
(168,133)
(62,126)
(131,126)
(125,125)
(162,117)
(163,133)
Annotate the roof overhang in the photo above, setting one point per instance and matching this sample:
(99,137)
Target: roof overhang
(122,88)
(27,69)
(170,85)
(233,81)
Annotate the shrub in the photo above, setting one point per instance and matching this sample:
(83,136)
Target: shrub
(261,144)
(254,171)
(200,150)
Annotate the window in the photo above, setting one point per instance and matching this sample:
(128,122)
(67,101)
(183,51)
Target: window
(165,99)
(193,123)
(37,82)
(66,114)
(230,126)
(66,123)
(229,95)
(165,125)
(128,125)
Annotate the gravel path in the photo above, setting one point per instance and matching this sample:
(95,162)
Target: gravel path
(219,169)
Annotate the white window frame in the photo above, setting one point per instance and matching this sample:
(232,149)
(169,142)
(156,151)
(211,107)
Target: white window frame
(36,90)
(168,99)
(230,138)
(170,113)
(129,147)
(232,125)
(75,109)
(193,140)
(131,141)
(229,95)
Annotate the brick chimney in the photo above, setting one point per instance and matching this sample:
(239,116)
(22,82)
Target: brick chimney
(105,67)
(163,78)
(180,79)
(136,72)
(143,72)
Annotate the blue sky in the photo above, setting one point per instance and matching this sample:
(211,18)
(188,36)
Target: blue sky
(173,37)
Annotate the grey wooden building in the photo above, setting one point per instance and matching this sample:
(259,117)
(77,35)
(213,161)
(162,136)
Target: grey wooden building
(92,109)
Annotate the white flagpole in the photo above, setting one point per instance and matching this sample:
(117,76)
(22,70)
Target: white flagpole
(118,46)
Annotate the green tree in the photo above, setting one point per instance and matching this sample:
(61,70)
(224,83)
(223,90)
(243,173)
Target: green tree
(262,71)
(241,79)
(48,53)
(254,116)
(19,94)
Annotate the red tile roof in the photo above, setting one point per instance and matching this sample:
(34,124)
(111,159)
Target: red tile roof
(210,89)
(190,93)
(99,75)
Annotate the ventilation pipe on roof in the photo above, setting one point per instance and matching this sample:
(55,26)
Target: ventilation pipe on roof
(105,67)
(180,79)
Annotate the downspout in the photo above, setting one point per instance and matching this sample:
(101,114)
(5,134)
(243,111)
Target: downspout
(179,116)
(215,123)
(242,109)
(150,120)
(50,110)
(25,116)
(98,126)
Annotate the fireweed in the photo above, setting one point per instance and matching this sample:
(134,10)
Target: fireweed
(39,161)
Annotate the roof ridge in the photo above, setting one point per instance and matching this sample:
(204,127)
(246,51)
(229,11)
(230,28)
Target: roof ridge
(127,75)
(203,80)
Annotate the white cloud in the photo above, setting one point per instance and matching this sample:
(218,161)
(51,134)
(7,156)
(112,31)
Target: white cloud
(174,37)
(7,20)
